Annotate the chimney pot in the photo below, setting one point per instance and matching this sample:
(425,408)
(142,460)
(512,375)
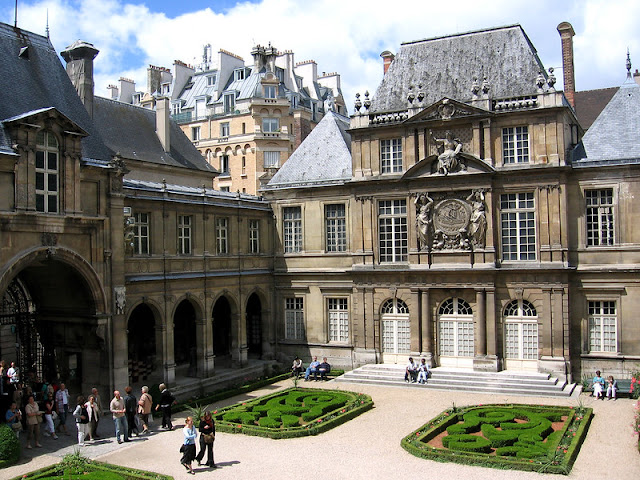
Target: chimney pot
(566,35)
(387,59)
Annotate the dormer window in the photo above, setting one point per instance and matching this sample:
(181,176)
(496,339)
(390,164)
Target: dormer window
(270,91)
(47,172)
(238,74)
(229,102)
(280,74)
(211,80)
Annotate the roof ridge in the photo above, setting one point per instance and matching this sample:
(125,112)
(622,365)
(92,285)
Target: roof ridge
(460,34)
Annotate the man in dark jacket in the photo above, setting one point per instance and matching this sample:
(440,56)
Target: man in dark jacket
(323,369)
(166,400)
(130,406)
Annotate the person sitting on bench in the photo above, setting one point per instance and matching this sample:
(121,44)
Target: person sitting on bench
(323,369)
(296,368)
(312,368)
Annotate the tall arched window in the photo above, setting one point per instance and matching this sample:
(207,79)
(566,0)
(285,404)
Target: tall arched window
(396,331)
(47,172)
(521,330)
(455,318)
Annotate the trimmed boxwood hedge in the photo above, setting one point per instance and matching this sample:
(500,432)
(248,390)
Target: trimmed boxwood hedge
(96,470)
(290,413)
(504,443)
(9,446)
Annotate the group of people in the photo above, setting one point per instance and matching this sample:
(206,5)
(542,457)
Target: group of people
(207,431)
(600,387)
(416,372)
(315,368)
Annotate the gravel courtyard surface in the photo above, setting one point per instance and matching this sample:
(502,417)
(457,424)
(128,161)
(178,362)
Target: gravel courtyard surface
(367,447)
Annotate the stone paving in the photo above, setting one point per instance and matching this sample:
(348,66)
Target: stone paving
(367,447)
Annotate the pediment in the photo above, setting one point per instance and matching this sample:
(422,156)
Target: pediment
(467,164)
(46,116)
(448,109)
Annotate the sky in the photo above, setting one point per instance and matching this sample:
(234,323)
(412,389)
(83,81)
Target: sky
(344,36)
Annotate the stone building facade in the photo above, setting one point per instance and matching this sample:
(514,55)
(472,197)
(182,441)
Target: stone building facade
(462,231)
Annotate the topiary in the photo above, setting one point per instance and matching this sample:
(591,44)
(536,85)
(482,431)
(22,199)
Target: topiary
(9,446)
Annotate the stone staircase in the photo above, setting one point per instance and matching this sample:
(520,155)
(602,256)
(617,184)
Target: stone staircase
(443,378)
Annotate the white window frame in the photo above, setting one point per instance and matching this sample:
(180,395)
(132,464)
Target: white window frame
(225,168)
(254,235)
(518,226)
(455,329)
(600,217)
(211,80)
(338,319)
(335,221)
(141,233)
(515,145)
(270,125)
(47,175)
(294,318)
(238,74)
(292,229)
(195,134)
(396,327)
(521,331)
(185,230)
(391,155)
(222,235)
(229,102)
(225,129)
(393,233)
(602,326)
(270,91)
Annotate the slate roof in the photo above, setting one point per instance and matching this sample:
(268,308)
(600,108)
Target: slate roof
(589,104)
(614,135)
(324,157)
(39,81)
(446,67)
(131,131)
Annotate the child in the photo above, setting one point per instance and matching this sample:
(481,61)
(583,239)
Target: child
(423,372)
(612,387)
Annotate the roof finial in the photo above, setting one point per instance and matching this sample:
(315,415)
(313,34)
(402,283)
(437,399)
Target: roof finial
(47,29)
(628,64)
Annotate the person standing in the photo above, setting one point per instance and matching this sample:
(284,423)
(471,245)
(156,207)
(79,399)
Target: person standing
(12,373)
(130,404)
(92,411)
(144,408)
(62,404)
(3,374)
(82,420)
(188,448)
(34,418)
(166,401)
(207,431)
(98,401)
(119,419)
(49,408)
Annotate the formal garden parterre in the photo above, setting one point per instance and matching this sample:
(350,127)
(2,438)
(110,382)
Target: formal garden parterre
(290,413)
(525,437)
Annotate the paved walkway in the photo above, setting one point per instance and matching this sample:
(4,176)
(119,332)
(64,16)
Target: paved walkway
(367,447)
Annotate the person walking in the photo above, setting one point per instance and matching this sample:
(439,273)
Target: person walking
(144,408)
(34,418)
(62,404)
(82,420)
(119,419)
(188,448)
(49,408)
(166,401)
(98,401)
(207,431)
(130,406)
(92,410)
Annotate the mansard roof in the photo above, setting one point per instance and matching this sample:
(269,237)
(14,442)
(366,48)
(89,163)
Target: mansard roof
(33,78)
(324,157)
(446,67)
(613,136)
(131,131)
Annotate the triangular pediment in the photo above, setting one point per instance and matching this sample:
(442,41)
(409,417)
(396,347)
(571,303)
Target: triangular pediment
(448,109)
(47,115)
(467,164)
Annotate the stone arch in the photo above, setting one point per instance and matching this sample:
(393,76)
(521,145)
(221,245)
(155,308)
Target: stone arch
(224,327)
(186,314)
(144,341)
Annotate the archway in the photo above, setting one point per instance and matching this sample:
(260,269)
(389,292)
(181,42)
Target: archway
(184,337)
(141,342)
(221,318)
(254,326)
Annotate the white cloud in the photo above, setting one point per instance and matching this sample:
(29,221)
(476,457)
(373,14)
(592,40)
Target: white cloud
(342,36)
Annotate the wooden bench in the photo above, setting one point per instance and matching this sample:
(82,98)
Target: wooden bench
(624,385)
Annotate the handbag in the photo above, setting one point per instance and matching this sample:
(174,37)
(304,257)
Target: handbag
(208,438)
(182,448)
(54,415)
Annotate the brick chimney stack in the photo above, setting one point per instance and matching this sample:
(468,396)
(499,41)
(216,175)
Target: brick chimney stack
(79,57)
(387,58)
(566,35)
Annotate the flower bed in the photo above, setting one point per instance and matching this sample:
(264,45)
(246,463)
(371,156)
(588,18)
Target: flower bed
(525,437)
(294,412)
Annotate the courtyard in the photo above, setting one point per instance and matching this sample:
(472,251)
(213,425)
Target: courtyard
(366,447)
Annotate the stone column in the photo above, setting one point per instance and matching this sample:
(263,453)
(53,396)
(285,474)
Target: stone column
(481,324)
(427,326)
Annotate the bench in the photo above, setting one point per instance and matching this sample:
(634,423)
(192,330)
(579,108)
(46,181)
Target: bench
(624,385)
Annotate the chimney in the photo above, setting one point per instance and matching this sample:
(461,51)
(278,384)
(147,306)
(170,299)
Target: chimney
(113,91)
(387,58)
(163,124)
(566,35)
(79,57)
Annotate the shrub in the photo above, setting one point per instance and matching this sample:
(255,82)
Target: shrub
(634,391)
(9,446)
